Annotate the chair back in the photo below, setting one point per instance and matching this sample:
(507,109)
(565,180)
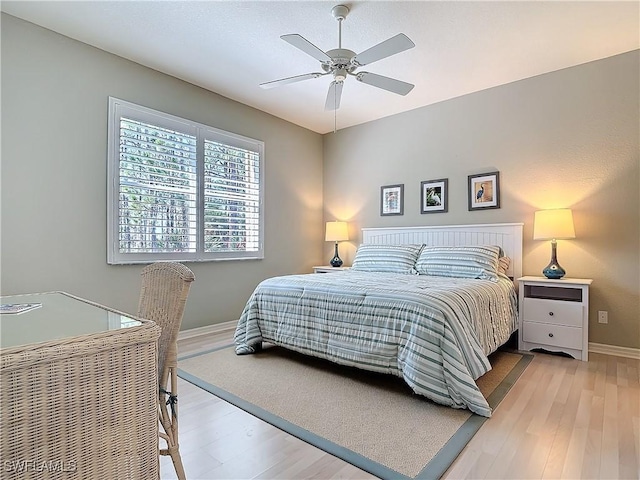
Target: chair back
(164,292)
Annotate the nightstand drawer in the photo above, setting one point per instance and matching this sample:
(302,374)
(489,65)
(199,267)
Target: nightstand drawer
(556,335)
(554,312)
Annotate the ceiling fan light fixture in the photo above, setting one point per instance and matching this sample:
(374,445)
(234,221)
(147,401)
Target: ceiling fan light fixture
(340,74)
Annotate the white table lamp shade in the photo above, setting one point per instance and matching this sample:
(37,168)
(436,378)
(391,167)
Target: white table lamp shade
(553,224)
(336,232)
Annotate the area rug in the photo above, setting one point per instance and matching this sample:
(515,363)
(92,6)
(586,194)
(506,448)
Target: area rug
(370,420)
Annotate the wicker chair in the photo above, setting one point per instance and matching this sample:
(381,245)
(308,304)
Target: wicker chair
(165,287)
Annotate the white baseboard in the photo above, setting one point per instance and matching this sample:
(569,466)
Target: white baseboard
(614,350)
(208,329)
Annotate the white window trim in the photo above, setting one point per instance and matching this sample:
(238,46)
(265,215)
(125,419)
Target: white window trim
(119,108)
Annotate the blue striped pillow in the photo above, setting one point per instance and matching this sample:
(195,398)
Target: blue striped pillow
(478,261)
(386,258)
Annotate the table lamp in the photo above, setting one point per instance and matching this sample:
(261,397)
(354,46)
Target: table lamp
(553,225)
(336,232)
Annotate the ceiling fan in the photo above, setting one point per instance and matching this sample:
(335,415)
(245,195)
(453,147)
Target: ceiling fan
(341,62)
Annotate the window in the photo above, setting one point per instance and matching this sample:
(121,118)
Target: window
(180,190)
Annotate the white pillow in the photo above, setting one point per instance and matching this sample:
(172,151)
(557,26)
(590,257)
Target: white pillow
(386,258)
(473,261)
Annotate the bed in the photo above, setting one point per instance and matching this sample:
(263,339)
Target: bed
(411,306)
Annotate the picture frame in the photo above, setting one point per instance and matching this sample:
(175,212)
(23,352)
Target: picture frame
(392,200)
(434,196)
(484,191)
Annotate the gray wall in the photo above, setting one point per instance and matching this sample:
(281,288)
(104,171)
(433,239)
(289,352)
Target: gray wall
(564,139)
(54,145)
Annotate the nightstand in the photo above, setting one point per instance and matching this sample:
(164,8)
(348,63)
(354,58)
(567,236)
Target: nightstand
(554,315)
(329,269)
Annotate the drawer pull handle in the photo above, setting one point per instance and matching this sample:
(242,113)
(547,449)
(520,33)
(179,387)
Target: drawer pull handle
(551,314)
(551,335)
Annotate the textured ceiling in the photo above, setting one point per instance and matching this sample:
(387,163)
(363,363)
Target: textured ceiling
(230,47)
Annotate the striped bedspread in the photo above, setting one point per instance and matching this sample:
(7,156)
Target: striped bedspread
(434,332)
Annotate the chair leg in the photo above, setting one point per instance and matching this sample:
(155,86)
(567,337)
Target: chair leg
(169,422)
(177,462)
(174,451)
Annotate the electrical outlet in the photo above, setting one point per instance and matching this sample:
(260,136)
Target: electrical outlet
(603,316)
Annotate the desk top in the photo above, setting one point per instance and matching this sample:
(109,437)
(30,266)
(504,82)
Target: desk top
(60,316)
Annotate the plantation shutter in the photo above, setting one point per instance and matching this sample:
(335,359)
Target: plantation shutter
(231,198)
(157,197)
(179,190)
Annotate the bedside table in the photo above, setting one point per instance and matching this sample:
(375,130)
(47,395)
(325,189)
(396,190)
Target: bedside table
(554,315)
(329,269)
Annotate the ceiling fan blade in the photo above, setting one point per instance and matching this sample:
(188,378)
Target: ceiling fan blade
(386,83)
(333,96)
(306,46)
(385,49)
(286,81)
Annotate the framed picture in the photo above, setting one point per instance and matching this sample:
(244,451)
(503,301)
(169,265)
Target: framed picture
(433,196)
(392,200)
(484,191)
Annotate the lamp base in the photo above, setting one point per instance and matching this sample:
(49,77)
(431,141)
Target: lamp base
(336,261)
(554,270)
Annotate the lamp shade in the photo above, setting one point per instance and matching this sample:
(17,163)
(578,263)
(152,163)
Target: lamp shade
(553,224)
(336,232)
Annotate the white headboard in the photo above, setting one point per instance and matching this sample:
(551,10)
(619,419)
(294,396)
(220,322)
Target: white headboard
(506,235)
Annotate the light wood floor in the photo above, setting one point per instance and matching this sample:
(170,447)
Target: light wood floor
(563,419)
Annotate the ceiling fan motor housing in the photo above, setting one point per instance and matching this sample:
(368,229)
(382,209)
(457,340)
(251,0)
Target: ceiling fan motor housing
(340,64)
